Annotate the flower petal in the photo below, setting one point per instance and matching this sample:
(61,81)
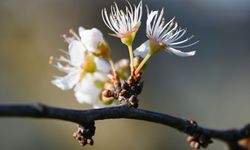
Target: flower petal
(180,53)
(100,76)
(67,82)
(81,29)
(102,65)
(87,92)
(142,50)
(76,53)
(150,18)
(91,38)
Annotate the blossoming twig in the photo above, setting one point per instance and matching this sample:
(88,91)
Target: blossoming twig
(88,69)
(86,117)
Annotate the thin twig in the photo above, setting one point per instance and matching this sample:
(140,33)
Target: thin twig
(83,117)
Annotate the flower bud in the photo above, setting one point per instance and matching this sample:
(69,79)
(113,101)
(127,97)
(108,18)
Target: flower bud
(108,86)
(245,143)
(122,68)
(107,97)
(133,101)
(90,141)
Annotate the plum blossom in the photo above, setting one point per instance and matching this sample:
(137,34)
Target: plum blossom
(122,23)
(164,36)
(83,70)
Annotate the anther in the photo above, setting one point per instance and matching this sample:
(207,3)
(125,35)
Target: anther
(51,58)
(71,31)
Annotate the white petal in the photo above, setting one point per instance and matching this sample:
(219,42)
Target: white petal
(91,38)
(62,68)
(180,53)
(85,97)
(76,53)
(100,76)
(184,46)
(102,65)
(81,29)
(67,82)
(150,18)
(86,83)
(143,49)
(183,41)
(86,91)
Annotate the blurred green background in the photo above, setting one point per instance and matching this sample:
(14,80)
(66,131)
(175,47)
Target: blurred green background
(212,88)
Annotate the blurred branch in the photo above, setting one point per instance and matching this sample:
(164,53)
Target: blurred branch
(200,136)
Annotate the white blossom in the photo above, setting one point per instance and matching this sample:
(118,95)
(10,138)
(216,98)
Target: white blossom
(143,49)
(123,23)
(83,70)
(84,63)
(164,36)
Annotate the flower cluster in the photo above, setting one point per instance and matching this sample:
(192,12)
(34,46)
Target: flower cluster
(89,68)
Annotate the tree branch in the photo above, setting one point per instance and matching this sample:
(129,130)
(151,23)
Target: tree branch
(86,117)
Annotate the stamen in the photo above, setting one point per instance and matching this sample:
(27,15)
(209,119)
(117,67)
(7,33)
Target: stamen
(183,41)
(185,46)
(66,65)
(51,58)
(63,51)
(66,39)
(71,31)
(122,22)
(63,59)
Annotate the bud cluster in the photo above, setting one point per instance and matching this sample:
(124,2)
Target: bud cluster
(130,90)
(84,134)
(198,138)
